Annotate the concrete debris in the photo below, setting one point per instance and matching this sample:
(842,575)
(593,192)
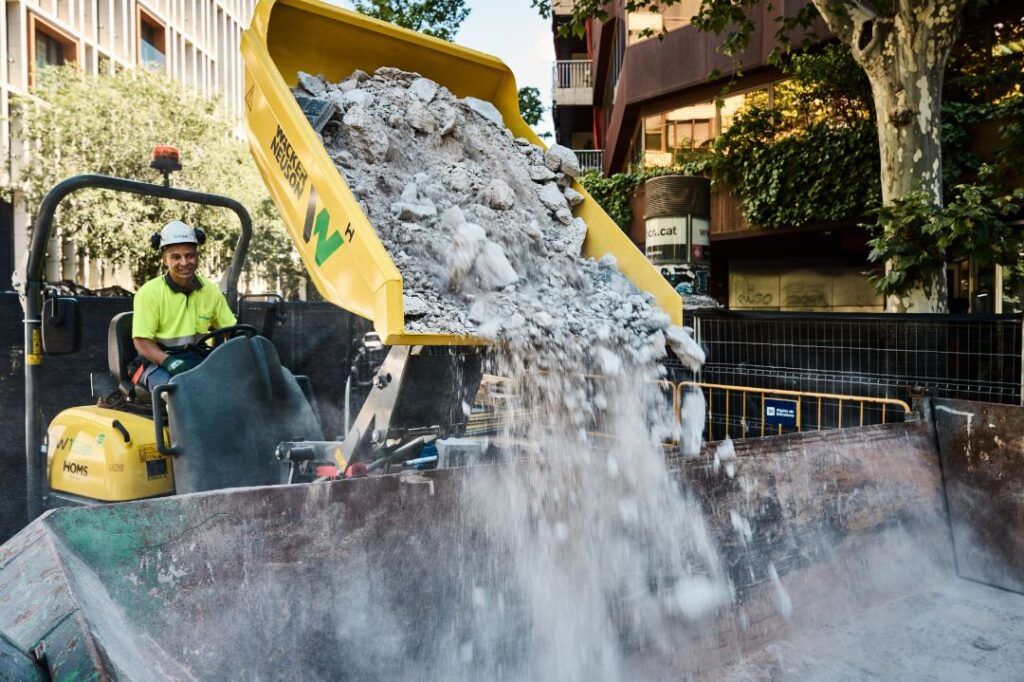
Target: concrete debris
(698,301)
(564,216)
(314,85)
(411,151)
(541,174)
(414,212)
(481,227)
(551,196)
(688,351)
(419,117)
(473,253)
(573,197)
(485,109)
(414,306)
(347,85)
(562,159)
(356,96)
(424,89)
(499,195)
(372,141)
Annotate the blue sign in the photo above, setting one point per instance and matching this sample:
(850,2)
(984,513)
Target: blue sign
(780,412)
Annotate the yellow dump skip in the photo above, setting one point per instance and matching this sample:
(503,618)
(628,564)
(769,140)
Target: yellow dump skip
(339,247)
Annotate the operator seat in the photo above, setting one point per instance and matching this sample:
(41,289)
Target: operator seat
(120,353)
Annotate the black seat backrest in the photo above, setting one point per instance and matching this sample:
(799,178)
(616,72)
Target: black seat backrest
(227,416)
(120,348)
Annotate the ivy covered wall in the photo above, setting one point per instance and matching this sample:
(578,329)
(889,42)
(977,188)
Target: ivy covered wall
(812,158)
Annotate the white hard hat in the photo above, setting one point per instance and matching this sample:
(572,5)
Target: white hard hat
(177,232)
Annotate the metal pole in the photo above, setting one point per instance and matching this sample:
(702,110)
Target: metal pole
(348,403)
(33,439)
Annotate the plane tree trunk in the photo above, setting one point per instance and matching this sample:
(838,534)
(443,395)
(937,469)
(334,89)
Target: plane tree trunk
(903,46)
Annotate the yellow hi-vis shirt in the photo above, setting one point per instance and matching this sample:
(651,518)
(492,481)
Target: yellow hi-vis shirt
(173,317)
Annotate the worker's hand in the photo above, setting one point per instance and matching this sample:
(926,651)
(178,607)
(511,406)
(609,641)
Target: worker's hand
(174,365)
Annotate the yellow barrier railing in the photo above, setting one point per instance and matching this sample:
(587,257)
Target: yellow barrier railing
(745,411)
(785,410)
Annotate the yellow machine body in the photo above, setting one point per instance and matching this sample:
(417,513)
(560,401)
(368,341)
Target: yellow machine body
(338,245)
(88,456)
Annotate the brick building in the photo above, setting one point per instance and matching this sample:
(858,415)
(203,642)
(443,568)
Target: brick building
(625,100)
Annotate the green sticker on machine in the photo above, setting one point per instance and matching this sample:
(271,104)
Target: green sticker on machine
(318,224)
(326,244)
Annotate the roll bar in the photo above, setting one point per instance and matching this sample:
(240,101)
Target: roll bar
(35,458)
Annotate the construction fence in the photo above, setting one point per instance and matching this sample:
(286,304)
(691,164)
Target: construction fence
(888,356)
(727,411)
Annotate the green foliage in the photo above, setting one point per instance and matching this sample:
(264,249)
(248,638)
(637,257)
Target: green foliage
(530,106)
(825,85)
(614,192)
(985,66)
(914,236)
(438,18)
(983,94)
(728,19)
(814,155)
(960,123)
(821,173)
(109,124)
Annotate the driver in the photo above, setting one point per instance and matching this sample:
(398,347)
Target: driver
(172,311)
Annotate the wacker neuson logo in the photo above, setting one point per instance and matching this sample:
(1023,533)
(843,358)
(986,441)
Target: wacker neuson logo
(288,160)
(318,224)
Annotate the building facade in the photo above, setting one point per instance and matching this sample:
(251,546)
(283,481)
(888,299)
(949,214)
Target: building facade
(193,41)
(625,98)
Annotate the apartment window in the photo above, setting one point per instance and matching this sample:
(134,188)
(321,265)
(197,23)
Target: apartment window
(683,128)
(986,63)
(649,23)
(49,47)
(688,134)
(654,133)
(49,51)
(152,41)
(734,104)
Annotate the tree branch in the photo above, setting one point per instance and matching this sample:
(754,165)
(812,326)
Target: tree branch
(838,18)
(857,24)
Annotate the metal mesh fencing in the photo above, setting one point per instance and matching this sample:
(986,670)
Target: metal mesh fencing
(883,355)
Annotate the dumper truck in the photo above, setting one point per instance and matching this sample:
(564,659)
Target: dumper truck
(880,552)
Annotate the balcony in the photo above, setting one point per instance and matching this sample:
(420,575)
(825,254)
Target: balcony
(590,159)
(562,7)
(573,83)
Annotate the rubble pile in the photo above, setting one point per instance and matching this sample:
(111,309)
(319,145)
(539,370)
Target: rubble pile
(478,222)
(594,545)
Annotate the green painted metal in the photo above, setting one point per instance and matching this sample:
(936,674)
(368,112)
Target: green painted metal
(15,664)
(376,578)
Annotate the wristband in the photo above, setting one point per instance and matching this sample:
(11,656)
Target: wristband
(174,365)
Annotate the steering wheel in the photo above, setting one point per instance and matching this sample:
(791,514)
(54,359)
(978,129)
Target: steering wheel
(246,330)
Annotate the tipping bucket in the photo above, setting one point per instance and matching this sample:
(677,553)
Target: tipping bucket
(338,245)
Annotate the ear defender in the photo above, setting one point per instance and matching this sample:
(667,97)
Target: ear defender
(154,240)
(200,236)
